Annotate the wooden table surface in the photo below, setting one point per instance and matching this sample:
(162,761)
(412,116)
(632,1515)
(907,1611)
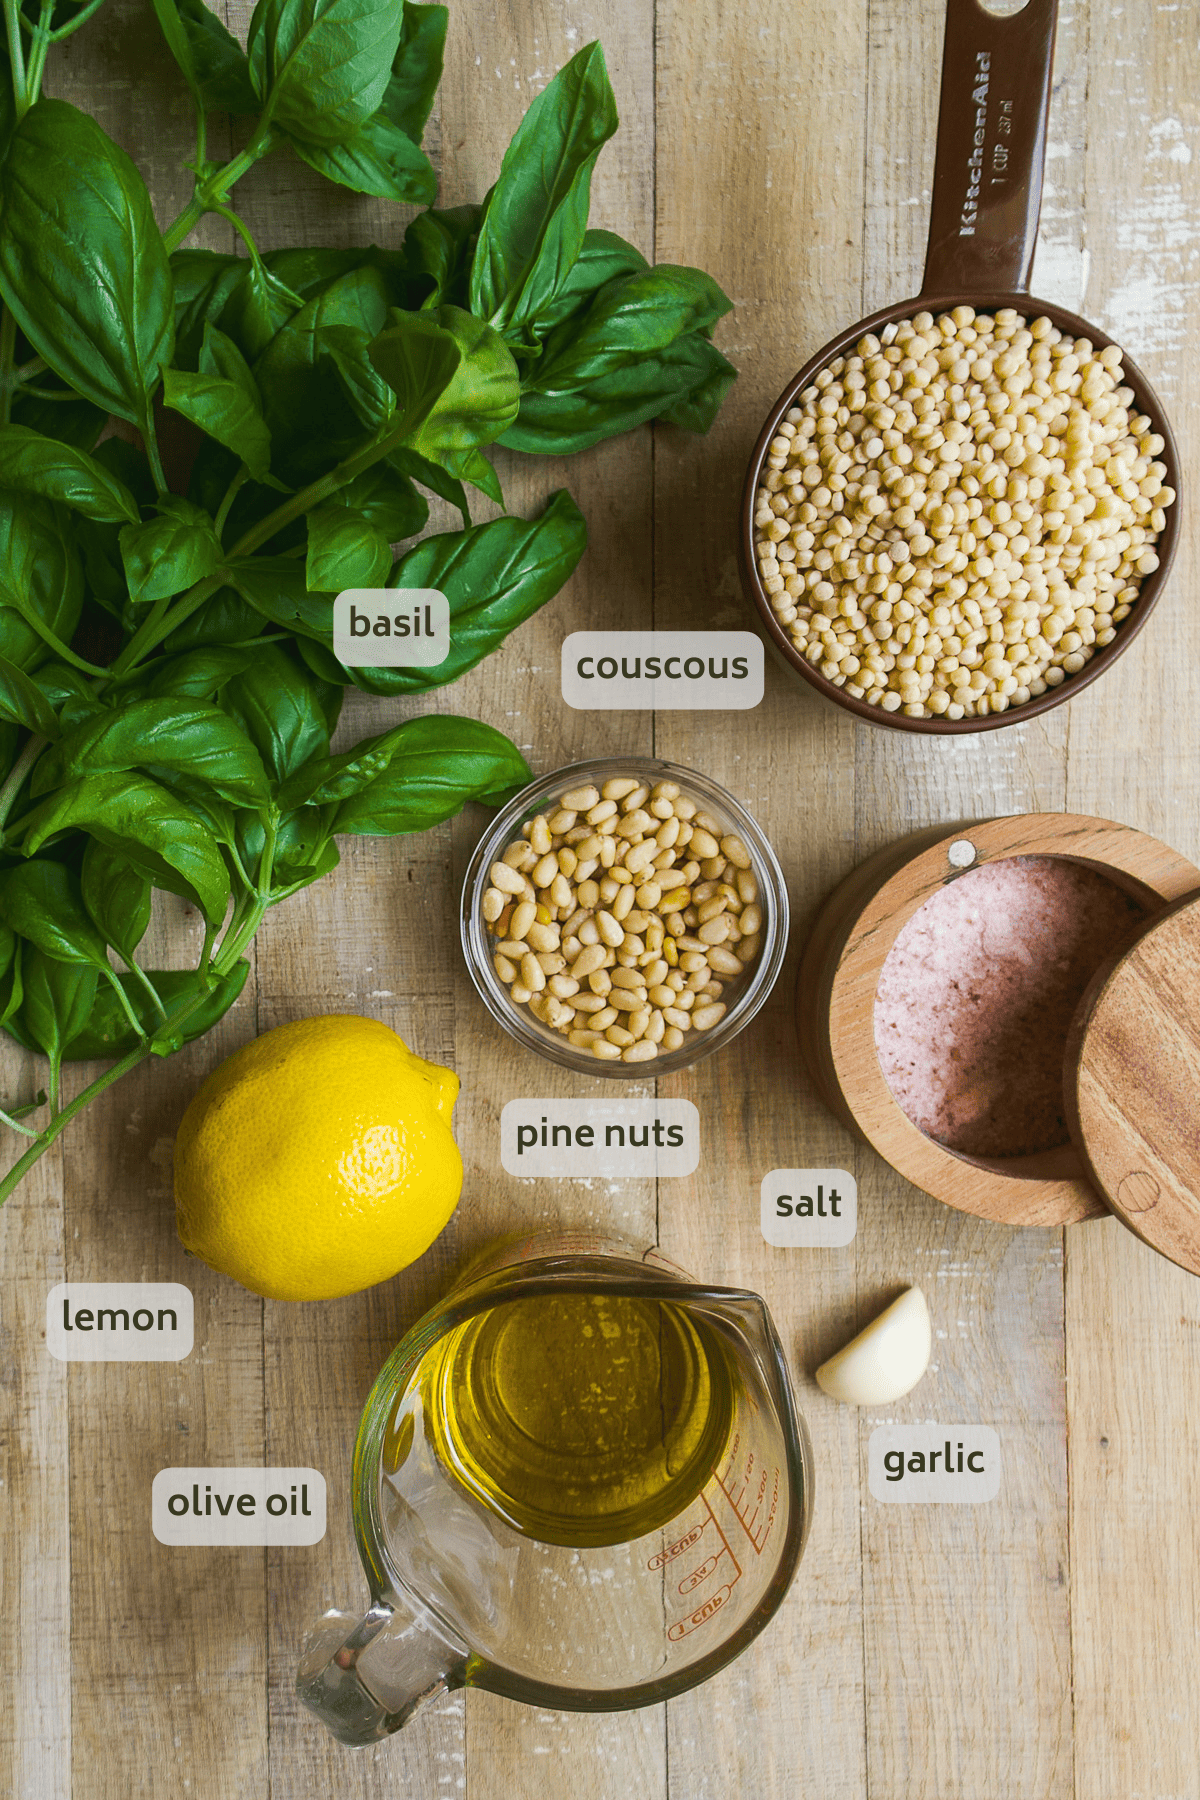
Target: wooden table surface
(1039,1647)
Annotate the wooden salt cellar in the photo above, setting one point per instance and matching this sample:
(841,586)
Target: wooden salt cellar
(1132,1068)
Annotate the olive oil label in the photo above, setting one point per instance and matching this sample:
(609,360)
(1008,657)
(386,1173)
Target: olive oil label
(119,1321)
(238,1506)
(814,1209)
(618,1139)
(391,628)
(636,671)
(933,1464)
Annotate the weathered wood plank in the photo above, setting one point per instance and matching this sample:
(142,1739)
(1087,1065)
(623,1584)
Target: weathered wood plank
(1132,1319)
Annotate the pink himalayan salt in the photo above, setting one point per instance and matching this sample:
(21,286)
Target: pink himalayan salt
(978,992)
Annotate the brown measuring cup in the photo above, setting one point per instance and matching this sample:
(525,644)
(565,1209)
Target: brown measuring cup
(987,193)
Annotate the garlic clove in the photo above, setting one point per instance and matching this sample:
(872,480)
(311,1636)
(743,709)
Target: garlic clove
(886,1359)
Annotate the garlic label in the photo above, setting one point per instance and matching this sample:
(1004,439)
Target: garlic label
(924,1464)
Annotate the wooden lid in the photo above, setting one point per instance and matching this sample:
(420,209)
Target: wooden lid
(1133,1085)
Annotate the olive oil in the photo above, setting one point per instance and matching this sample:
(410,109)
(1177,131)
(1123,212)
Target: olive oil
(580,1419)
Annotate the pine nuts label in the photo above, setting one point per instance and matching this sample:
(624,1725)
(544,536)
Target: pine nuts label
(238,1506)
(814,1209)
(621,1139)
(391,628)
(119,1321)
(933,1464)
(664,671)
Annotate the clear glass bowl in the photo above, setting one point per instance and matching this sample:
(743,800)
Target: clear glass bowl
(478,942)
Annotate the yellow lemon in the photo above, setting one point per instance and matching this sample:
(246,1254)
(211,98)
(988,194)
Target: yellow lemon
(317,1160)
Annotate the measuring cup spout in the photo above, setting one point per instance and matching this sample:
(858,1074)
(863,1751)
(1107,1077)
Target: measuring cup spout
(366,1677)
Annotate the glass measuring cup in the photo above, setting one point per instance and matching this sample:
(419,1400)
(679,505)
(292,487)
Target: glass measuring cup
(604,1564)
(987,192)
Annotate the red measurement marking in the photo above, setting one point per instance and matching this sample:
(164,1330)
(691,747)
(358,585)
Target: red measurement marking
(746,1511)
(702,1614)
(698,1575)
(677,1548)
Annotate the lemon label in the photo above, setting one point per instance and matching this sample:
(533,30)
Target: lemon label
(119,1321)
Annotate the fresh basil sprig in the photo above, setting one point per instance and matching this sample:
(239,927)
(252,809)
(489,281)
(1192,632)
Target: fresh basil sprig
(168,689)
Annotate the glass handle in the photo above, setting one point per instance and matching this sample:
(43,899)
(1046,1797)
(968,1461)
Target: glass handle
(366,1677)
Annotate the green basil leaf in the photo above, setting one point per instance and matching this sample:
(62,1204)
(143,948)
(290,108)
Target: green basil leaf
(344,551)
(697,409)
(222,398)
(535,217)
(221,72)
(203,283)
(192,736)
(56,1002)
(42,902)
(259,306)
(323,663)
(455,379)
(12,993)
(304,851)
(8,950)
(438,248)
(312,425)
(8,107)
(33,464)
(197,674)
(226,620)
(281,707)
(473,466)
(168,554)
(320,67)
(22,701)
(75,422)
(130,466)
(171,25)
(336,778)
(434,767)
(349,544)
(432,476)
(379,159)
(494,576)
(417,69)
(686,381)
(82,264)
(131,813)
(117,896)
(108,1033)
(275,586)
(68,692)
(604,257)
(309,271)
(41,580)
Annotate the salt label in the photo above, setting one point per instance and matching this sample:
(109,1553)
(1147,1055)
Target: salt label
(119,1321)
(238,1506)
(815,1209)
(933,1464)
(618,1139)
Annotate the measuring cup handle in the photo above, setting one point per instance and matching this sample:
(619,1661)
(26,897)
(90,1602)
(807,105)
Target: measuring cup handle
(991,148)
(366,1677)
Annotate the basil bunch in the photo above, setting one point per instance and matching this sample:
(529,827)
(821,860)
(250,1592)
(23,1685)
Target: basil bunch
(168,688)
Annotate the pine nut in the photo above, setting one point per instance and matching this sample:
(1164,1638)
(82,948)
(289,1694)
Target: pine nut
(620,913)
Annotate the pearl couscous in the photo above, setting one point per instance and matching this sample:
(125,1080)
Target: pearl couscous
(959,514)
